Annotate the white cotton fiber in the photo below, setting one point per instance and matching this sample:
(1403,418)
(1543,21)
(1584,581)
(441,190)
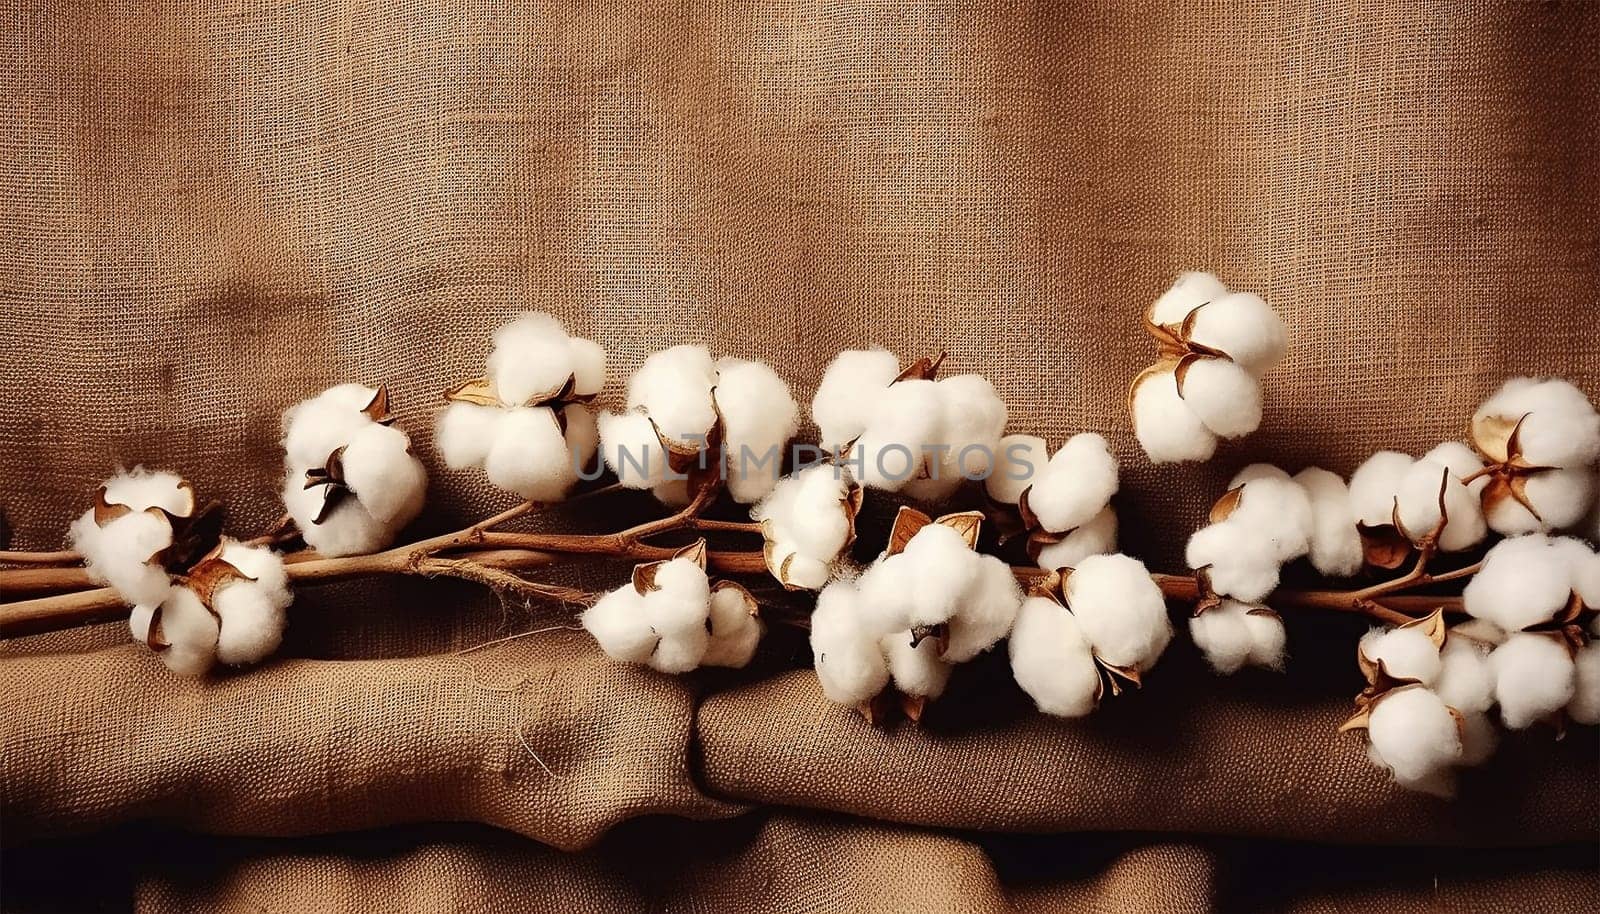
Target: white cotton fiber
(894,448)
(848,394)
(1167,429)
(682,651)
(972,418)
(382,472)
(629,445)
(1374,485)
(120,554)
(1278,510)
(531,360)
(140,488)
(348,530)
(1406,653)
(1243,326)
(1230,636)
(1586,579)
(1417,507)
(681,600)
(673,387)
(1414,734)
(1462,461)
(1584,708)
(986,611)
(850,664)
(1076,485)
(530,456)
(1018,462)
(1097,537)
(251,611)
(465,433)
(1560,497)
(619,626)
(1464,680)
(191,630)
(1191,290)
(317,427)
(1052,661)
(1561,428)
(1255,471)
(1335,542)
(759,417)
(1243,563)
(583,434)
(1120,609)
(806,519)
(923,585)
(734,632)
(588,366)
(1534,677)
(1224,396)
(1525,580)
(916,670)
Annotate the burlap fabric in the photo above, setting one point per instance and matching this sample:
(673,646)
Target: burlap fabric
(209,211)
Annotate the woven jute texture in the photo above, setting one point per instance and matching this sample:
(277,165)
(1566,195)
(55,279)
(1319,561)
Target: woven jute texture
(211,210)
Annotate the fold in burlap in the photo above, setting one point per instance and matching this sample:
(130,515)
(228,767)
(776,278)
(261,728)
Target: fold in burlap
(208,213)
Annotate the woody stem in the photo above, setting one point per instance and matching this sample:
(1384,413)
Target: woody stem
(17,557)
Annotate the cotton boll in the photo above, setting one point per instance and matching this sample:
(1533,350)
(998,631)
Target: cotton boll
(262,566)
(1052,661)
(1414,734)
(1018,461)
(820,525)
(850,664)
(1268,639)
(530,456)
(972,418)
(465,433)
(1335,542)
(1120,609)
(893,449)
(1278,510)
(119,554)
(674,388)
(1478,738)
(1222,637)
(1097,537)
(1462,461)
(681,601)
(1586,579)
(681,651)
(619,626)
(916,670)
(942,570)
(1243,564)
(1584,708)
(734,632)
(1406,653)
(1076,485)
(1258,471)
(629,445)
(317,427)
(252,623)
(1167,429)
(1464,680)
(1225,397)
(583,435)
(1561,498)
(380,469)
(348,530)
(1524,581)
(759,417)
(1191,290)
(1374,485)
(1243,326)
(191,631)
(1561,428)
(1417,507)
(532,359)
(849,391)
(588,366)
(141,488)
(1534,677)
(799,570)
(986,612)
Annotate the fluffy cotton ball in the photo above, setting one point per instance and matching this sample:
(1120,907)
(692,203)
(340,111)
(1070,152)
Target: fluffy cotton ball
(1245,327)
(1413,733)
(682,651)
(120,553)
(140,488)
(807,522)
(1406,653)
(1224,396)
(1335,542)
(317,427)
(629,445)
(1561,428)
(251,611)
(972,416)
(1018,461)
(923,585)
(1278,510)
(1191,290)
(1586,579)
(532,359)
(893,449)
(986,611)
(734,632)
(759,417)
(1076,485)
(850,663)
(1167,429)
(466,432)
(1584,708)
(1097,537)
(673,387)
(530,456)
(798,569)
(1417,507)
(1374,485)
(1120,609)
(1464,680)
(1242,563)
(1525,580)
(848,393)
(1230,636)
(1462,461)
(681,598)
(1052,661)
(619,626)
(381,471)
(916,669)
(1534,677)
(348,530)
(191,631)
(1560,497)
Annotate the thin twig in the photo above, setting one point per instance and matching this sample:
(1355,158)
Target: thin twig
(60,557)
